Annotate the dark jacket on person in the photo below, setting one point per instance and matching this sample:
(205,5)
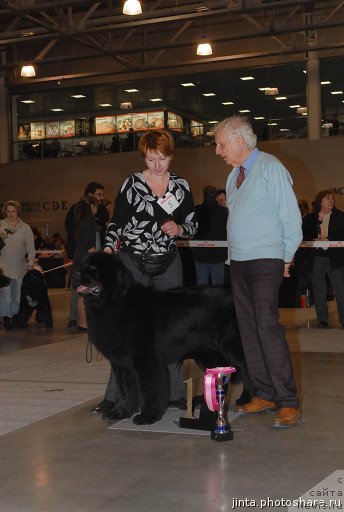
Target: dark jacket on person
(311,229)
(101,219)
(212,221)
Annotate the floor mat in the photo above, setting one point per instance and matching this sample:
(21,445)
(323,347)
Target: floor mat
(169,424)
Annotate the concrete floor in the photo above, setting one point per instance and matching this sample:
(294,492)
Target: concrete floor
(62,459)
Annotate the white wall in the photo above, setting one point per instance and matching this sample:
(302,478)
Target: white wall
(49,187)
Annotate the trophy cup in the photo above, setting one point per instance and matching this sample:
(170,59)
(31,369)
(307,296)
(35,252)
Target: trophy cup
(214,381)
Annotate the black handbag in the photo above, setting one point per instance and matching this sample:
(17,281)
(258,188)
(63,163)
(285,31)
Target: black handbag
(152,265)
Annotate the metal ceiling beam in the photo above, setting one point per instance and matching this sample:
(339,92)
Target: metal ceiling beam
(147,18)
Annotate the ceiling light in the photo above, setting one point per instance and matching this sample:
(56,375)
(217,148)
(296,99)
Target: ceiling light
(27,101)
(271,91)
(272,124)
(284,130)
(263,88)
(326,82)
(131,90)
(208,94)
(126,104)
(188,84)
(204,47)
(259,118)
(294,106)
(227,103)
(304,113)
(77,96)
(155,99)
(301,110)
(245,111)
(57,109)
(105,104)
(246,78)
(27,34)
(278,98)
(213,122)
(27,71)
(336,92)
(132,8)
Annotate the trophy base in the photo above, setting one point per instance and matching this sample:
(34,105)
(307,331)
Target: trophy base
(221,436)
(207,420)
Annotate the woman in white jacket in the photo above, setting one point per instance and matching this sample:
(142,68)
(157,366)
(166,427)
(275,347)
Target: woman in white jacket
(16,258)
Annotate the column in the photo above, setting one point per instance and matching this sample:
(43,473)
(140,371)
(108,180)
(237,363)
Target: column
(4,123)
(313,97)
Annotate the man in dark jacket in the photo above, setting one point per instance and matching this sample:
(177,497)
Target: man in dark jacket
(95,192)
(212,220)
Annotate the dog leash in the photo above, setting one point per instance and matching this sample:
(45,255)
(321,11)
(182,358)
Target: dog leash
(55,268)
(89,350)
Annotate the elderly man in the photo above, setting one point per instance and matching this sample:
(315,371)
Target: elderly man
(264,231)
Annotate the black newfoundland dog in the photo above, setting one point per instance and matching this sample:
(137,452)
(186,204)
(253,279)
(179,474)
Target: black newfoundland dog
(140,330)
(34,296)
(4,280)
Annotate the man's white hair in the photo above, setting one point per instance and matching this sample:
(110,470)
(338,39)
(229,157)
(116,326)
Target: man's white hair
(237,127)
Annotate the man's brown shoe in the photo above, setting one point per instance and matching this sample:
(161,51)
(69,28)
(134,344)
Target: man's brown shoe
(256,406)
(287,417)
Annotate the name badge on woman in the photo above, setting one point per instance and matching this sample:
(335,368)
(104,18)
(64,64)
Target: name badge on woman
(169,203)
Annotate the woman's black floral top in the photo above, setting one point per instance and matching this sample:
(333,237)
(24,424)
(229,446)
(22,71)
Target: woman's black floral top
(137,217)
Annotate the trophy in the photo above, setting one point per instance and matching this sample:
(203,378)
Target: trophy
(214,394)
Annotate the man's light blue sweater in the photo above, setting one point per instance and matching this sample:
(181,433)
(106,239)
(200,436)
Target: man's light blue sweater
(264,219)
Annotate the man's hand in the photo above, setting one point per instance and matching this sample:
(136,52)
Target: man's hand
(286,269)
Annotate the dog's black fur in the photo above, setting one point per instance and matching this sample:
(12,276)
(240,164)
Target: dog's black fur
(4,280)
(34,296)
(140,330)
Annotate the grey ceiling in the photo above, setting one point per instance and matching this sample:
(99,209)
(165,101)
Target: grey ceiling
(92,48)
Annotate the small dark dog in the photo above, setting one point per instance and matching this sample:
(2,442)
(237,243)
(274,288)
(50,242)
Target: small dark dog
(34,296)
(140,330)
(4,280)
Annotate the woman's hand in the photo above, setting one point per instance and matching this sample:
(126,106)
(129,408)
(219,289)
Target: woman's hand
(170,228)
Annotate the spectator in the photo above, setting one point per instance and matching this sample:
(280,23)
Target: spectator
(108,205)
(38,240)
(221,197)
(85,242)
(304,207)
(16,258)
(326,222)
(212,219)
(94,191)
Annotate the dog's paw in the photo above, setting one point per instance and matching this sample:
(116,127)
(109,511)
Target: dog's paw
(146,418)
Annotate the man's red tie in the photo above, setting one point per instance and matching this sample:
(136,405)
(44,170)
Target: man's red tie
(241,176)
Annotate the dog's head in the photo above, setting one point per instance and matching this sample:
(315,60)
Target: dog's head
(4,280)
(34,280)
(102,277)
